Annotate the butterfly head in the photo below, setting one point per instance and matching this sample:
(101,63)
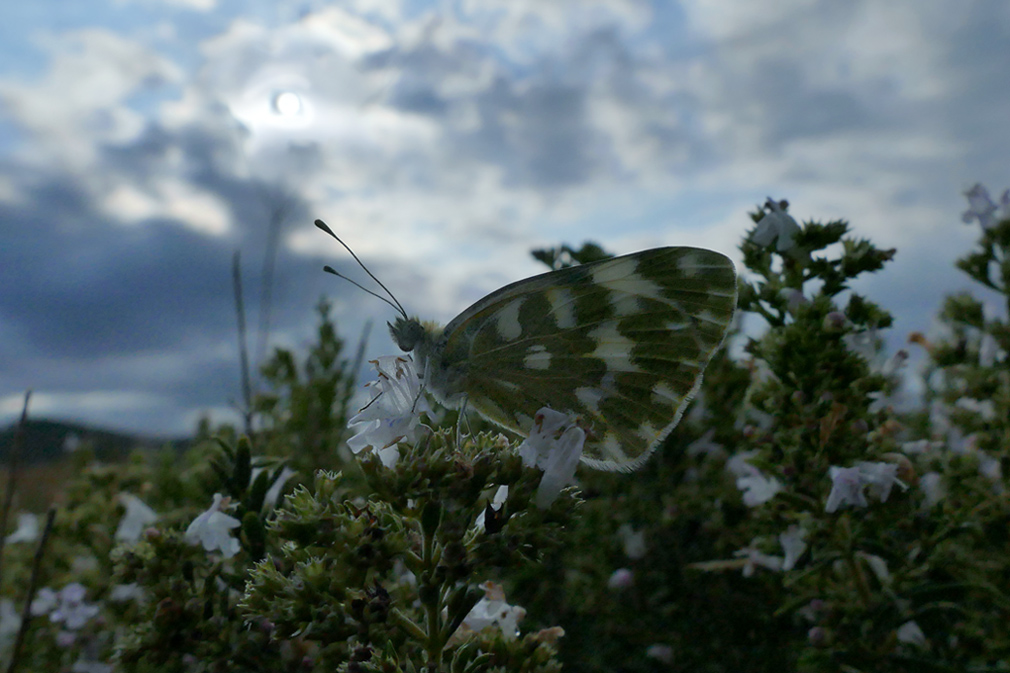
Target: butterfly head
(407,333)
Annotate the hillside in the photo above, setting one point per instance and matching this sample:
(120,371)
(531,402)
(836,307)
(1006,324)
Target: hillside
(48,441)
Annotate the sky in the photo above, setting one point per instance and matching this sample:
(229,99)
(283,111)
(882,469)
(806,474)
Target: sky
(144,142)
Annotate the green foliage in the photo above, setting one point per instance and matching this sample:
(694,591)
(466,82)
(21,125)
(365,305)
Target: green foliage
(566,256)
(394,573)
(307,405)
(735,548)
(815,394)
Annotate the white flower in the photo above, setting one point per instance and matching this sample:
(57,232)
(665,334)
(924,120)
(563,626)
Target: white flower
(393,414)
(44,602)
(877,565)
(70,609)
(663,653)
(121,593)
(404,576)
(757,488)
(988,466)
(86,666)
(10,623)
(920,446)
(959,444)
(881,401)
(554,446)
(496,503)
(28,528)
(910,633)
(983,408)
(634,543)
(622,578)
(988,351)
(982,208)
(863,344)
(932,487)
(274,492)
(793,543)
(492,610)
(705,445)
(991,469)
(776,225)
(83,563)
(894,364)
(846,488)
(847,484)
(138,516)
(211,529)
(880,477)
(754,558)
(939,419)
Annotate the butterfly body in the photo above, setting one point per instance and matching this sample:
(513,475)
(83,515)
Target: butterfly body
(621,343)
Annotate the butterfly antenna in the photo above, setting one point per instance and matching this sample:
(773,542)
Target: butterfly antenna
(330,269)
(395,304)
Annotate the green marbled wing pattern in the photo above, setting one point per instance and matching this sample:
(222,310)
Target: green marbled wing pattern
(622,343)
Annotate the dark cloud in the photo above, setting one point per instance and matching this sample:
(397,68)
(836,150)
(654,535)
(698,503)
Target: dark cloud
(91,304)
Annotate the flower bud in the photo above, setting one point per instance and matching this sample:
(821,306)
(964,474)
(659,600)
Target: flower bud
(622,578)
(834,321)
(817,636)
(906,470)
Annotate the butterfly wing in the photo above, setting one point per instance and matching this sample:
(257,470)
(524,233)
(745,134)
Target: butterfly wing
(621,342)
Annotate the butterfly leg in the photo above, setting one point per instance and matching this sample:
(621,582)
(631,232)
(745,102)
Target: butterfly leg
(460,421)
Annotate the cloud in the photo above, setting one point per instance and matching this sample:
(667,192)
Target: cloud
(443,143)
(82,100)
(193,5)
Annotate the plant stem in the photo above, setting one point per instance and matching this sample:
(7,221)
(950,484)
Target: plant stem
(432,604)
(26,611)
(243,349)
(862,588)
(13,472)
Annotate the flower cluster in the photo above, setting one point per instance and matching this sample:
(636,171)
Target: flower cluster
(393,414)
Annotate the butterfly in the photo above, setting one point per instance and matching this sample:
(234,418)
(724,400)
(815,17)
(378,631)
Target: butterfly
(619,343)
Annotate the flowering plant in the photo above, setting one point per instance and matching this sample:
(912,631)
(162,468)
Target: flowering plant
(800,518)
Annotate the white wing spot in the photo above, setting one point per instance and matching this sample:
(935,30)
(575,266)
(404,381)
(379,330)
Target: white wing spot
(611,448)
(537,358)
(590,398)
(662,393)
(562,307)
(613,348)
(508,323)
(507,385)
(688,264)
(621,275)
(647,432)
(677,326)
(708,316)
(615,270)
(625,304)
